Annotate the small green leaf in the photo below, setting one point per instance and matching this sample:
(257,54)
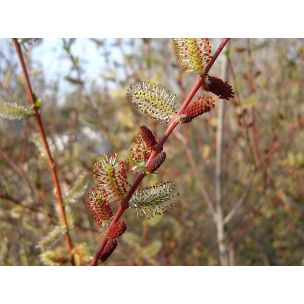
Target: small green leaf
(38,103)
(75,60)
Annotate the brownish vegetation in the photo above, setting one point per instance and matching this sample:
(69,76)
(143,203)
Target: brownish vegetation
(238,169)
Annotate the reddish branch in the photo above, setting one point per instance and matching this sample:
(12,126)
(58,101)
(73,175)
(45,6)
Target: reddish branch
(157,149)
(51,162)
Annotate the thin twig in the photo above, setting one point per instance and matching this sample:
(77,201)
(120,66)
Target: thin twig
(239,203)
(219,218)
(51,162)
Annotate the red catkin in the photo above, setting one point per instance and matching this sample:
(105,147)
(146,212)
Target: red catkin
(147,136)
(156,162)
(108,249)
(202,105)
(116,230)
(218,87)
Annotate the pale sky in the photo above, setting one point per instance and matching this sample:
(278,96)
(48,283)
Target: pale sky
(50,54)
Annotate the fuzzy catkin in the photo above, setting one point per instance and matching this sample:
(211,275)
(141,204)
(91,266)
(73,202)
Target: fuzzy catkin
(218,87)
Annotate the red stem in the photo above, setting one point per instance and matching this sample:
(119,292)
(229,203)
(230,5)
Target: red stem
(123,206)
(215,55)
(51,161)
(172,124)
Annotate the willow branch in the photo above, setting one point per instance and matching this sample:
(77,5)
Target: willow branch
(51,162)
(172,125)
(219,218)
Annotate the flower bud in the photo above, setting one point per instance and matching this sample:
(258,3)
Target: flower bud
(116,230)
(218,87)
(156,162)
(108,249)
(202,105)
(148,137)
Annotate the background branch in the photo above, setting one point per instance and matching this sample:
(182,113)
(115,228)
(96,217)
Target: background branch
(219,217)
(51,162)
